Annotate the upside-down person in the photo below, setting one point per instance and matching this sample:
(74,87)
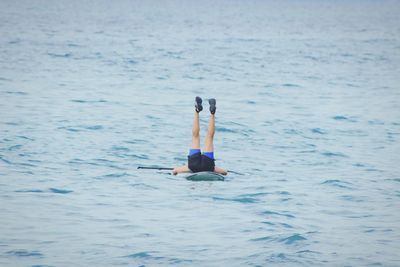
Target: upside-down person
(198,161)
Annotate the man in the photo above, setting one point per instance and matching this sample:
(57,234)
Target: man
(197,161)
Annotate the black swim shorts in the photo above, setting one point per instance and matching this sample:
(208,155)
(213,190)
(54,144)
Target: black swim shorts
(200,163)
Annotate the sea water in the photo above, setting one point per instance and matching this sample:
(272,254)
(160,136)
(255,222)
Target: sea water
(308,109)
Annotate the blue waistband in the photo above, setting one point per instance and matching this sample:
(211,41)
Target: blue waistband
(209,155)
(193,151)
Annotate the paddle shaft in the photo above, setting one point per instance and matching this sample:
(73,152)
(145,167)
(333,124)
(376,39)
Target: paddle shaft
(155,168)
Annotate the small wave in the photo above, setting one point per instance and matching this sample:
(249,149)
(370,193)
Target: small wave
(255,194)
(5,161)
(286,240)
(73,45)
(337,183)
(340,118)
(311,77)
(14,147)
(245,40)
(27,172)
(144,255)
(273,213)
(318,131)
(313,58)
(267,222)
(5,79)
(308,151)
(131,61)
(136,141)
(80,128)
(358,165)
(225,130)
(293,131)
(147,255)
(15,41)
(174,55)
(265,238)
(29,191)
(115,175)
(343,118)
(25,137)
(120,148)
(139,255)
(27,164)
(279,257)
(135,156)
(238,199)
(291,85)
(69,129)
(88,101)
(50,190)
(358,216)
(56,55)
(154,118)
(24,253)
(60,191)
(180,158)
(308,251)
(11,123)
(76,161)
(333,154)
(292,239)
(16,93)
(94,127)
(285,193)
(286,225)
(192,77)
(143,186)
(351,198)
(352,85)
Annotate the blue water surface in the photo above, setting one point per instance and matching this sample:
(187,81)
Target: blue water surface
(308,108)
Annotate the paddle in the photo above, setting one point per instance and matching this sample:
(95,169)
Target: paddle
(155,168)
(170,169)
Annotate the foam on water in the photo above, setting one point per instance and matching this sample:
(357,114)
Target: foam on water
(308,108)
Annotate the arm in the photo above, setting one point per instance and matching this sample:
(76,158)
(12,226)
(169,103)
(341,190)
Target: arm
(220,170)
(181,169)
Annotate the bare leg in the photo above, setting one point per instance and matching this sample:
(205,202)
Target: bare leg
(209,146)
(196,131)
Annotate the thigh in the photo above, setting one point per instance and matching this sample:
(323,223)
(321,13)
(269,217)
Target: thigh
(209,144)
(195,142)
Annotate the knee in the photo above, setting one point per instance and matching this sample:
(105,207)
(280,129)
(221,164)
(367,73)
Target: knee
(210,135)
(195,133)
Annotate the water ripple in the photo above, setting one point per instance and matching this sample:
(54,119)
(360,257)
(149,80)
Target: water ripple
(338,183)
(89,90)
(269,213)
(50,190)
(25,253)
